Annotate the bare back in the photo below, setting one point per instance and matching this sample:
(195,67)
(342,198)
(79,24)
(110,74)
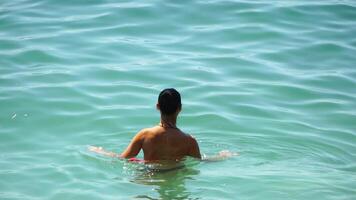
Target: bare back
(166,144)
(159,143)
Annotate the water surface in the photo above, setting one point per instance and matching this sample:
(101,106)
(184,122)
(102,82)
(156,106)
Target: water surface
(272,80)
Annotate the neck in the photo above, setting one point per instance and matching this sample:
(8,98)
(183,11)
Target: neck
(168,121)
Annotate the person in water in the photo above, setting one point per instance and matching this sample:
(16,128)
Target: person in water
(164,141)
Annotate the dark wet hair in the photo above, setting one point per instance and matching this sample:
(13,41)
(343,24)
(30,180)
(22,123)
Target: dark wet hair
(169,101)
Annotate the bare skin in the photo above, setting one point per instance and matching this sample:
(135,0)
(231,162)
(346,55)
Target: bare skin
(162,142)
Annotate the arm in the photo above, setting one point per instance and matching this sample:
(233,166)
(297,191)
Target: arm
(194,148)
(102,151)
(135,146)
(132,150)
(225,154)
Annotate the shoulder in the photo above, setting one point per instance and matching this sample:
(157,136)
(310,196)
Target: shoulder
(140,135)
(191,139)
(145,132)
(190,136)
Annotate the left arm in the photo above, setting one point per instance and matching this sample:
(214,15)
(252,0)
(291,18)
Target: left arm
(104,152)
(135,146)
(131,151)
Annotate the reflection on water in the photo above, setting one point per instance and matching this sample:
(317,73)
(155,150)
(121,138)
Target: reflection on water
(170,184)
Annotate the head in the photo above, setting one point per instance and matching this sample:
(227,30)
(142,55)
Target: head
(169,102)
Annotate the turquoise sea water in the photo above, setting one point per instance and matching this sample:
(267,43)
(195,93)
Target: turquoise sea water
(272,80)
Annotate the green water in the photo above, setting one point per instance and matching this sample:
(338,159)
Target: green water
(272,80)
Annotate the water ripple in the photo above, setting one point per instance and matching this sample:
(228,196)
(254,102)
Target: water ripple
(274,81)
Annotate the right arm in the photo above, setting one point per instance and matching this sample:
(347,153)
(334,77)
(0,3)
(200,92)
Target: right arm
(224,154)
(194,150)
